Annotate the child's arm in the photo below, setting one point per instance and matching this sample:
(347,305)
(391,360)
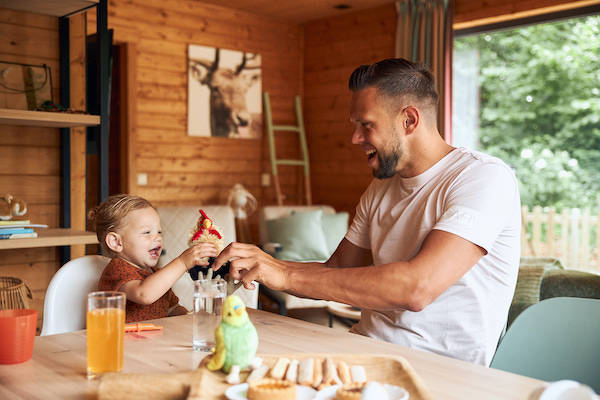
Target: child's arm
(153,287)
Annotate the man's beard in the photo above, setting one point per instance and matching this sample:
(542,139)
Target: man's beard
(387,165)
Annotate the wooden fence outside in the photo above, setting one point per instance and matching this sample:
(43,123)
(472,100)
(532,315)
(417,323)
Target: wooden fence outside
(571,236)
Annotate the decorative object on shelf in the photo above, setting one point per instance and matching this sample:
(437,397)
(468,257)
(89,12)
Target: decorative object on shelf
(51,106)
(24,86)
(14,293)
(243,204)
(11,207)
(224,93)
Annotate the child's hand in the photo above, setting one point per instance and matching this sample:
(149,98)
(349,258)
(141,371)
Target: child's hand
(198,254)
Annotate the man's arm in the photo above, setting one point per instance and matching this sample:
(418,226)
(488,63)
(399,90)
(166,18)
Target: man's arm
(349,255)
(443,259)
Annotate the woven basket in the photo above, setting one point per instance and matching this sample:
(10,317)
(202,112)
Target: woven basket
(14,293)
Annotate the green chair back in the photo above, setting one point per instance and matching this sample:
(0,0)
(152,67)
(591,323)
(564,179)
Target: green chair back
(557,338)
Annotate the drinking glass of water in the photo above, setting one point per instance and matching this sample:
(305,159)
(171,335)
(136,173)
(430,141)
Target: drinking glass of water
(209,295)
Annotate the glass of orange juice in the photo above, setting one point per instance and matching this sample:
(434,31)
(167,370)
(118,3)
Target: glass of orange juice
(105,332)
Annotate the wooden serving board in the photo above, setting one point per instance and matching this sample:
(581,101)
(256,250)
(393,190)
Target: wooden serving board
(203,384)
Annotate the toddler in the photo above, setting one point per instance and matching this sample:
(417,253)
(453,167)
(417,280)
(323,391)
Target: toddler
(128,229)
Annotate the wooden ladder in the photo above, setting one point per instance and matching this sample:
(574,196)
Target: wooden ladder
(299,128)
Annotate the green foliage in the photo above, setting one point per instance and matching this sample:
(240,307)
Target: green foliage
(549,178)
(540,92)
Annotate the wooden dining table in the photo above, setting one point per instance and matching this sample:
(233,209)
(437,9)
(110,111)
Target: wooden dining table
(57,369)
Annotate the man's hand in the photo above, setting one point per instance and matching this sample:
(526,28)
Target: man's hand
(249,263)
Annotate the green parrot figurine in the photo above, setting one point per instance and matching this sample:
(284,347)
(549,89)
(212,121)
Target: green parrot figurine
(236,340)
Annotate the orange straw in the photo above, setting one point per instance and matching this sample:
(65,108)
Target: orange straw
(138,327)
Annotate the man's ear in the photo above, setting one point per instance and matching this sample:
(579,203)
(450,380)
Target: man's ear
(410,118)
(113,241)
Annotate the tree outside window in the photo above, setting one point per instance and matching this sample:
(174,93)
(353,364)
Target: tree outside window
(531,96)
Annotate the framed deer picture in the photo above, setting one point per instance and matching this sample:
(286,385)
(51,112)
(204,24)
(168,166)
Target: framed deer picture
(224,93)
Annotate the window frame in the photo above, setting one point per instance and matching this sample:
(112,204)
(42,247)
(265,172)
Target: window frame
(535,19)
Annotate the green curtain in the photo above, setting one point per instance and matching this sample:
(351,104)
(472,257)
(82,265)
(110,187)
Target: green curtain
(424,34)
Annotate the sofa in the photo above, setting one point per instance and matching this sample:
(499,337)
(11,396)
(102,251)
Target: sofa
(300,233)
(529,281)
(178,223)
(542,278)
(570,283)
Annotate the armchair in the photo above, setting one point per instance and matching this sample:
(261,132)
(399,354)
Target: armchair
(300,233)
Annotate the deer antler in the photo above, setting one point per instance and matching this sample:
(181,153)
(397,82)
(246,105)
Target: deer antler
(243,66)
(216,63)
(210,68)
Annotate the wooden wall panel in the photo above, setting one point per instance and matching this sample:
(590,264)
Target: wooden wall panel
(339,169)
(192,170)
(29,156)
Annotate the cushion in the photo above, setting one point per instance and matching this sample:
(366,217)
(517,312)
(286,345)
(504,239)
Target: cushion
(570,283)
(273,212)
(334,228)
(300,235)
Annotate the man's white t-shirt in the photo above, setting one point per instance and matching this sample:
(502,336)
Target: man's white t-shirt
(469,194)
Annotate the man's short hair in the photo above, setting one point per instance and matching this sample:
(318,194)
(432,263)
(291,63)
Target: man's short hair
(396,78)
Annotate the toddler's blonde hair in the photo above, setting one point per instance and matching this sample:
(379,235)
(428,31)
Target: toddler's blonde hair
(108,216)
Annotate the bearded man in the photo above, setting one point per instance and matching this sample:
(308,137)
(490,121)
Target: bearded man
(432,253)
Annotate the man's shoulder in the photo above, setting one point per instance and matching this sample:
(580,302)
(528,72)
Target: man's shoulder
(475,156)
(479,162)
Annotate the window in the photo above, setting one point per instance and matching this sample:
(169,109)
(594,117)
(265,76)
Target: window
(530,95)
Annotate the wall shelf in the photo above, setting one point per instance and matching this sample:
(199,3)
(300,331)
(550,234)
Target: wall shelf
(51,237)
(46,119)
(71,189)
(57,8)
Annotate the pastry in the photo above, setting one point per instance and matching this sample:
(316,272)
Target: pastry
(292,372)
(271,389)
(278,370)
(351,391)
(305,372)
(317,373)
(330,375)
(258,373)
(344,372)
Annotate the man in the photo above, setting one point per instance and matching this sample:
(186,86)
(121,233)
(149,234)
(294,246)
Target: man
(433,251)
